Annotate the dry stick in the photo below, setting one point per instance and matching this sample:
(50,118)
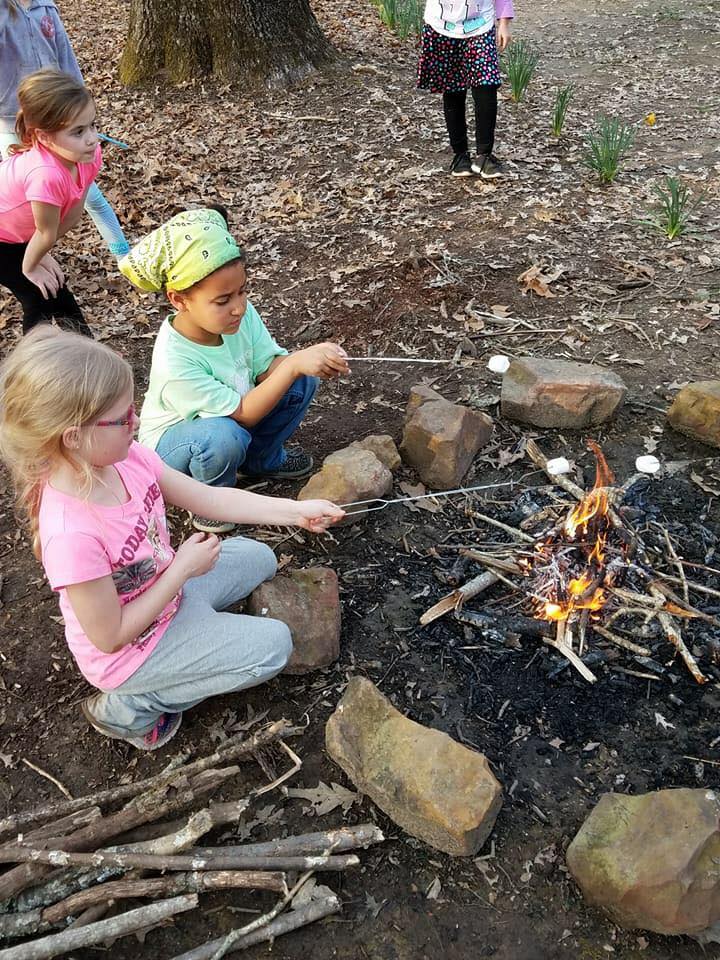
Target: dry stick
(572,657)
(188,833)
(454,600)
(59,828)
(235,935)
(60,943)
(678,565)
(672,632)
(683,608)
(146,861)
(693,586)
(513,531)
(494,563)
(621,641)
(340,840)
(289,921)
(152,806)
(48,776)
(40,920)
(232,750)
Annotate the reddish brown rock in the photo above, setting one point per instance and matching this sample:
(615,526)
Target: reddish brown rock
(433,787)
(559,393)
(441,439)
(695,411)
(308,601)
(652,860)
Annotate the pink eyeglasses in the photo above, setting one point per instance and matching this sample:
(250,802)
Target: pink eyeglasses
(122,422)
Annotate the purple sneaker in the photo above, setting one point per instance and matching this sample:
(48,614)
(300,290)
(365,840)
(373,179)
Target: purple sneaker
(166,726)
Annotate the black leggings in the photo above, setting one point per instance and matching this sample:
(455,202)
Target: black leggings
(36,309)
(485,98)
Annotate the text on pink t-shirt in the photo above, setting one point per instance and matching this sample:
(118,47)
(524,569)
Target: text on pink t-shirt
(37,174)
(83,541)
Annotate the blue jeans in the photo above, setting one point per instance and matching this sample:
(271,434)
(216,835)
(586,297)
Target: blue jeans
(212,449)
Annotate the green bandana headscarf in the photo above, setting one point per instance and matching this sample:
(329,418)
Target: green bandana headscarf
(181,252)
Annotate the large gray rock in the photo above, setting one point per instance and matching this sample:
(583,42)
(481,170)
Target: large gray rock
(652,860)
(308,601)
(695,411)
(433,787)
(560,393)
(347,476)
(441,438)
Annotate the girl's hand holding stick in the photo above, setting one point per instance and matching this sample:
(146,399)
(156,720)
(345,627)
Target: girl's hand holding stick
(317,515)
(324,360)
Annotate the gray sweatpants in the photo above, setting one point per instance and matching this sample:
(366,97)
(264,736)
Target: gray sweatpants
(203,652)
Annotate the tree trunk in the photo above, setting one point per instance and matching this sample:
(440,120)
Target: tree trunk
(254,42)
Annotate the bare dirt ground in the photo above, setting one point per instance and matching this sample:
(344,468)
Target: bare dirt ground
(337,189)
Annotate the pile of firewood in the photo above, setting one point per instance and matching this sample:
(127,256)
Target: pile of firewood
(67,878)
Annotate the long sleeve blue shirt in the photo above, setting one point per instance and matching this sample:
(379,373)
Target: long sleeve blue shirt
(31,38)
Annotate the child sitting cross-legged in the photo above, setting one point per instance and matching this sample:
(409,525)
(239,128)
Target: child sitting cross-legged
(222,395)
(144,622)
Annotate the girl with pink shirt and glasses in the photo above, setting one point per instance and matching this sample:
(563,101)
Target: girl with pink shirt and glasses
(459,50)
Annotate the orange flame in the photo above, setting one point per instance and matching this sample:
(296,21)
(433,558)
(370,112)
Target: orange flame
(594,506)
(596,502)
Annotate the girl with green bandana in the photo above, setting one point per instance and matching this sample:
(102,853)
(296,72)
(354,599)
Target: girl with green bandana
(222,394)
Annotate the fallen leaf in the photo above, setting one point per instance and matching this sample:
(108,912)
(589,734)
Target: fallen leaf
(433,891)
(661,722)
(324,798)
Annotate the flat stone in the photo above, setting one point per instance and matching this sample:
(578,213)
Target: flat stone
(349,475)
(652,860)
(308,601)
(433,787)
(695,411)
(382,445)
(560,393)
(441,439)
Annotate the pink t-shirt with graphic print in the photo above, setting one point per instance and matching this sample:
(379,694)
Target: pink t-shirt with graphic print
(82,541)
(37,174)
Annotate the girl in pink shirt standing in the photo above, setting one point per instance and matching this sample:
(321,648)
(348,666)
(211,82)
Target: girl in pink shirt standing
(459,49)
(43,187)
(144,622)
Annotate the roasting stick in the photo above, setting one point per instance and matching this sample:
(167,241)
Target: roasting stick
(381,504)
(397,360)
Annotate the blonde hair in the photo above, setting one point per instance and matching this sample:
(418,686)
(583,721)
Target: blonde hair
(52,380)
(49,100)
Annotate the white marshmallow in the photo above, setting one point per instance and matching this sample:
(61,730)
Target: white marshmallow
(557,466)
(499,363)
(647,464)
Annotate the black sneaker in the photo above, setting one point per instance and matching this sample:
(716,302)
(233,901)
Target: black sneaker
(487,166)
(297,464)
(460,166)
(212,526)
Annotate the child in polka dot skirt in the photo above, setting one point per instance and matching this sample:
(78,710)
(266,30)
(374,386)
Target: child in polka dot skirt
(459,49)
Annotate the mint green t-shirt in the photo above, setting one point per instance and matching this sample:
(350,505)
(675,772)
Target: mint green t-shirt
(188,380)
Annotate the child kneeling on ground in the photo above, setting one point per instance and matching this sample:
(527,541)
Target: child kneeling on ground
(222,394)
(143,621)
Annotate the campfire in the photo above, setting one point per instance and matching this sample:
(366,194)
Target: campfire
(586,581)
